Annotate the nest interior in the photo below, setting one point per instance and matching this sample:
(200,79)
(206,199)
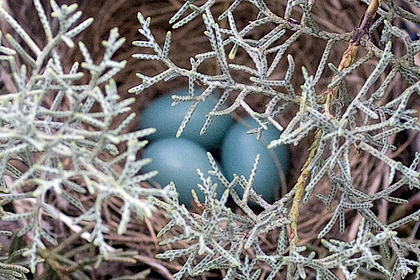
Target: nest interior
(333,15)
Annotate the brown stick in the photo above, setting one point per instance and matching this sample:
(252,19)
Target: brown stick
(330,94)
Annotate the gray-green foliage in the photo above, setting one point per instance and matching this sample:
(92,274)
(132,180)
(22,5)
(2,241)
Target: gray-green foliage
(11,267)
(362,120)
(59,136)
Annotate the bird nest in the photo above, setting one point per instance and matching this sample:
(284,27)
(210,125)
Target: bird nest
(334,15)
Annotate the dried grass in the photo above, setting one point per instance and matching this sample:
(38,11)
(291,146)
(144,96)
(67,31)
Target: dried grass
(334,15)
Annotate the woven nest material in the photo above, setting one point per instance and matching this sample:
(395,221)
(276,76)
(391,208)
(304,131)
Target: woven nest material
(334,15)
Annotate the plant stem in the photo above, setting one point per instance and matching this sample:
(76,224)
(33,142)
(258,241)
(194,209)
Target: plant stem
(330,95)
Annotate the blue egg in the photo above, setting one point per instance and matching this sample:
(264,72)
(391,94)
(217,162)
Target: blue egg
(167,119)
(238,153)
(177,160)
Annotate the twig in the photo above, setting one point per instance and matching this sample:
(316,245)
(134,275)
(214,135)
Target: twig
(330,95)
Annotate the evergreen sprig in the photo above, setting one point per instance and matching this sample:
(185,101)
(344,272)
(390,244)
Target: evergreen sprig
(343,121)
(59,136)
